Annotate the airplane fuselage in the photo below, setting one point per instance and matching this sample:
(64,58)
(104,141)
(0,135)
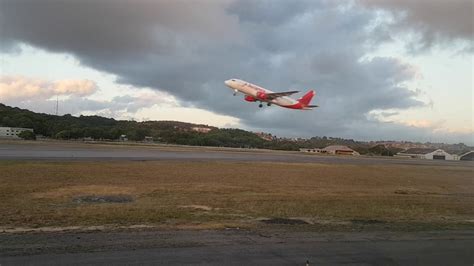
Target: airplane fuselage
(256,93)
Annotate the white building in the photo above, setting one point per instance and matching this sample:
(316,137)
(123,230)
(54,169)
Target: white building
(201,129)
(12,132)
(428,154)
(440,154)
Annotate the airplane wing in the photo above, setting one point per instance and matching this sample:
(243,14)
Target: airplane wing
(274,95)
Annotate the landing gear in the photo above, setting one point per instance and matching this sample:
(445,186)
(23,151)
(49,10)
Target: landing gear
(260,105)
(235,92)
(269,104)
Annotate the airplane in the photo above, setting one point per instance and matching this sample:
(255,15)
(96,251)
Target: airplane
(255,93)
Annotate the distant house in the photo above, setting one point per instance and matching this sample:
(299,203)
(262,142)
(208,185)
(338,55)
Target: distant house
(265,136)
(427,153)
(333,149)
(12,132)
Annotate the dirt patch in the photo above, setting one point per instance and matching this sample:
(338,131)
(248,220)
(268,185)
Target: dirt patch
(103,199)
(197,207)
(367,221)
(52,229)
(286,221)
(330,222)
(409,191)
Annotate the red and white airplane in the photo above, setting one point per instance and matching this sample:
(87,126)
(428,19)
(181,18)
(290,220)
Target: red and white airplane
(255,93)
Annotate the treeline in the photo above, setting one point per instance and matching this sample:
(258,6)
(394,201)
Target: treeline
(170,132)
(101,128)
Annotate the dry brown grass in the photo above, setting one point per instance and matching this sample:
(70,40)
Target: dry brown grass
(41,193)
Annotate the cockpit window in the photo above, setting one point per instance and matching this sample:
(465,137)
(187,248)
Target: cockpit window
(233,80)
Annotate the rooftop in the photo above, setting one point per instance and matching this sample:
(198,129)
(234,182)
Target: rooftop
(418,151)
(337,147)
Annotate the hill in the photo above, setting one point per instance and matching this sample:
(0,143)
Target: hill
(174,132)
(97,127)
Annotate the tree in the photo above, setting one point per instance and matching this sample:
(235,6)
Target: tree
(28,135)
(63,134)
(381,150)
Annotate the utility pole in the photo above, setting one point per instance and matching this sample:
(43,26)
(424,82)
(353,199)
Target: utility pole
(57,104)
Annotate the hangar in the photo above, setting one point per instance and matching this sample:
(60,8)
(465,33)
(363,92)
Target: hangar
(467,156)
(427,153)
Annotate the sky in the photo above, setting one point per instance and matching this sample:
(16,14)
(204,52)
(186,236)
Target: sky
(381,69)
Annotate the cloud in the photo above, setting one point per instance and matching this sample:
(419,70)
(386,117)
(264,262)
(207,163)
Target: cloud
(24,88)
(104,28)
(143,99)
(433,21)
(118,107)
(419,129)
(76,96)
(187,49)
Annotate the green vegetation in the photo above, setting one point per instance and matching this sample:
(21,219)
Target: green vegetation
(96,127)
(28,135)
(382,150)
(101,128)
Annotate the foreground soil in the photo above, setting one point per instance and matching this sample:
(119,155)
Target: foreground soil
(214,195)
(237,247)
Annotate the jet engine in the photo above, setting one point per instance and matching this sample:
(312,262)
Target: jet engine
(261,95)
(249,98)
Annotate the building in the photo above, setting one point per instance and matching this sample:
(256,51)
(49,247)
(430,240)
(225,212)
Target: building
(333,149)
(201,129)
(311,150)
(12,132)
(265,136)
(427,153)
(467,156)
(340,150)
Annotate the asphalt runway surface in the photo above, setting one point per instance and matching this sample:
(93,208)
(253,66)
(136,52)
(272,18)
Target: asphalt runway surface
(237,247)
(99,152)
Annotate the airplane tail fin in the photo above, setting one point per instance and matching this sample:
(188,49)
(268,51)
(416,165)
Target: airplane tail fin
(306,99)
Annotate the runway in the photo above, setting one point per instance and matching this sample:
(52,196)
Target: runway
(238,247)
(100,152)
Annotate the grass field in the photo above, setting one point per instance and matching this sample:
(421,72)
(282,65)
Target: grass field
(219,194)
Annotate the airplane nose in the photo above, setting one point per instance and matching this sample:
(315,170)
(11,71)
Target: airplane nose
(227,82)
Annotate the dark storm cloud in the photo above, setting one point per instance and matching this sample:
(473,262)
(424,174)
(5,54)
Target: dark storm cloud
(189,48)
(269,11)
